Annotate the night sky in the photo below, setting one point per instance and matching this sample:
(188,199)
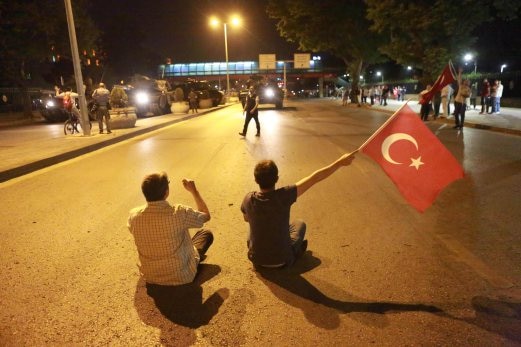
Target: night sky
(180,29)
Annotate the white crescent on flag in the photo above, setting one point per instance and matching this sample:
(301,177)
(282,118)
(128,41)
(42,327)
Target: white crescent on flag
(386,145)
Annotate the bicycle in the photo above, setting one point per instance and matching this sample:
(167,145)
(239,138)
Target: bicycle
(73,124)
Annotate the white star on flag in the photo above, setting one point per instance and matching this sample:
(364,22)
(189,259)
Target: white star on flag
(416,162)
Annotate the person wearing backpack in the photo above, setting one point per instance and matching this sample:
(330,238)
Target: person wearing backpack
(101,97)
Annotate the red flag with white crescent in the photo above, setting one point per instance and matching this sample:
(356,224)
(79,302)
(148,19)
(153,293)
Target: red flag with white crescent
(413,157)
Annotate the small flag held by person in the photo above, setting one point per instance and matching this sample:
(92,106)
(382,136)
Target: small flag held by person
(446,77)
(413,157)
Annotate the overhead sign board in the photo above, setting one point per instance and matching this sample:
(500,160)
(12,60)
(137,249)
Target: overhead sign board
(267,61)
(301,60)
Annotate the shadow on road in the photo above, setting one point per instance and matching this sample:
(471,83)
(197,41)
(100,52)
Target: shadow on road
(182,305)
(502,317)
(321,310)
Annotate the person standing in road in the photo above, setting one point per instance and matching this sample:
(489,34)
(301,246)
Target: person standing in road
(167,253)
(385,95)
(493,90)
(372,92)
(460,105)
(446,93)
(192,101)
(436,104)
(101,96)
(273,241)
(473,94)
(485,96)
(499,95)
(251,109)
(427,106)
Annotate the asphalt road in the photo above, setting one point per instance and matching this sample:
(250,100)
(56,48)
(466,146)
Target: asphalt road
(376,272)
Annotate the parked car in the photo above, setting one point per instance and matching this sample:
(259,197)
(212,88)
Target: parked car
(269,93)
(199,87)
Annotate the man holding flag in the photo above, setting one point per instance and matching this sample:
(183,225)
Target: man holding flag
(446,77)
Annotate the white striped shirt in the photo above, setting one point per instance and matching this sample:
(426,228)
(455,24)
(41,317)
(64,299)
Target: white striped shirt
(164,245)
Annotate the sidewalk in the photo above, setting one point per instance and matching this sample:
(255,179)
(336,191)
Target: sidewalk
(508,121)
(29,146)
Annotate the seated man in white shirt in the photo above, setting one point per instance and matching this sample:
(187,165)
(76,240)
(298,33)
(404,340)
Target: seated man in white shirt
(167,253)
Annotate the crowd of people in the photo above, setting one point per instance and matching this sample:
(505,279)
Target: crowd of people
(463,94)
(373,95)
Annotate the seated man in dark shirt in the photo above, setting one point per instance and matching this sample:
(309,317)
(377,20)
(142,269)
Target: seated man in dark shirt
(273,240)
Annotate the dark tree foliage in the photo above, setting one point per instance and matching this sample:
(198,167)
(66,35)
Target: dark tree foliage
(427,34)
(32,32)
(338,27)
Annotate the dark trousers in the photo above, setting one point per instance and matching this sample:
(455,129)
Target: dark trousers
(103,112)
(485,104)
(202,240)
(424,111)
(297,233)
(249,116)
(437,105)
(193,106)
(459,113)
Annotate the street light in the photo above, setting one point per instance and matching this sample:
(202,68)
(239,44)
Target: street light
(503,67)
(469,57)
(379,73)
(235,21)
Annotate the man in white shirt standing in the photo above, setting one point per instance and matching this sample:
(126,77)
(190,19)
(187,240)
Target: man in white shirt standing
(499,94)
(167,253)
(446,94)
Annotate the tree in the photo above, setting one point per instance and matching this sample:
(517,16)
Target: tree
(34,32)
(338,27)
(427,34)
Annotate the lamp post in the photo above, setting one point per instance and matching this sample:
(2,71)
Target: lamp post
(234,20)
(84,119)
(469,57)
(503,67)
(379,73)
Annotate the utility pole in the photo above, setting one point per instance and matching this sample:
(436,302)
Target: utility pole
(77,70)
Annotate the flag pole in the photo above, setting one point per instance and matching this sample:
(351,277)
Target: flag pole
(382,126)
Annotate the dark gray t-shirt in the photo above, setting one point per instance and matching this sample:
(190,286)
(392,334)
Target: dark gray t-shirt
(268,215)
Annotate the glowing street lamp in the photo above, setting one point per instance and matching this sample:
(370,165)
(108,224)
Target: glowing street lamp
(234,21)
(469,57)
(503,67)
(379,73)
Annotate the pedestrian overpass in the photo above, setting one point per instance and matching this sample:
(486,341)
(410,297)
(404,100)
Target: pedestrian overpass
(239,73)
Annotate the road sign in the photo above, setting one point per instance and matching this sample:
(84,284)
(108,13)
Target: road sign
(301,60)
(267,61)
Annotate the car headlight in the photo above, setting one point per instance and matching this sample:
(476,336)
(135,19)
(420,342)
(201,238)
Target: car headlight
(142,98)
(269,93)
(50,104)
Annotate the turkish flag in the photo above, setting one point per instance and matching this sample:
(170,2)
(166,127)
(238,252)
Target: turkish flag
(445,78)
(413,157)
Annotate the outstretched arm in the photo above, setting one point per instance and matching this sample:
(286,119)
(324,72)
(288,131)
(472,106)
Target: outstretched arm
(201,205)
(304,184)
